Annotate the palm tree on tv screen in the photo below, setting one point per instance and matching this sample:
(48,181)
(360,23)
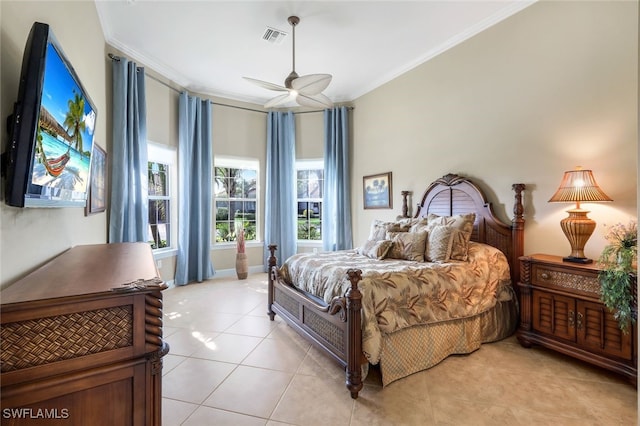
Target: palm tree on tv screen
(74,121)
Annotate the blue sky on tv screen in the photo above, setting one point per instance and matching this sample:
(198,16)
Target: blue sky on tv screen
(59,88)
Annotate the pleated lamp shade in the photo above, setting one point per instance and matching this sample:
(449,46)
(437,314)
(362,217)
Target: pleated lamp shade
(579,185)
(576,186)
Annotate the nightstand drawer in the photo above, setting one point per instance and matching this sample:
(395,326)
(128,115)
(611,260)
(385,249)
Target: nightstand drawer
(558,277)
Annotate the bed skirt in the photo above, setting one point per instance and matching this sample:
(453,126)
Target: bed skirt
(432,343)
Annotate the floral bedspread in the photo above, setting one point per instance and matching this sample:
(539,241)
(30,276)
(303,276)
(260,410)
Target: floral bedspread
(401,293)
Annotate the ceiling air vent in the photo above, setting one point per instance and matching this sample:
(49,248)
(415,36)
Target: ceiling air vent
(273,35)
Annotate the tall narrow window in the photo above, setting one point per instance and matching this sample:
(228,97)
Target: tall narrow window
(160,173)
(236,202)
(310,178)
(159,206)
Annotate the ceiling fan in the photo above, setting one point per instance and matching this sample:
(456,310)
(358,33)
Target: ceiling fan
(305,90)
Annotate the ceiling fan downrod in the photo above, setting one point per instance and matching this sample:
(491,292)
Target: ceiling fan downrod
(293,20)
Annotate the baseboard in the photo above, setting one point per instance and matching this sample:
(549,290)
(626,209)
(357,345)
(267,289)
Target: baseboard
(224,273)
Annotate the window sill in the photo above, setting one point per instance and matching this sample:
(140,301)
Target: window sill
(232,245)
(164,253)
(307,243)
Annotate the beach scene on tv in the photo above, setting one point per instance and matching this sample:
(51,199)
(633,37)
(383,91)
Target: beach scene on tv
(65,134)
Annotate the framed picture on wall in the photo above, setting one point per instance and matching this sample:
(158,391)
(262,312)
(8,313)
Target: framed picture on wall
(97,194)
(376,190)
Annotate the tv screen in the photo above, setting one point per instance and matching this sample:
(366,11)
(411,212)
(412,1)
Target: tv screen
(52,129)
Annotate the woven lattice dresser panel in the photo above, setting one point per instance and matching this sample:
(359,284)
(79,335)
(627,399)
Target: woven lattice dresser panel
(45,340)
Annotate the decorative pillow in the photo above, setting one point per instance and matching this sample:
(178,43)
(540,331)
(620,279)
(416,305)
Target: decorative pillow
(379,229)
(405,222)
(375,249)
(407,245)
(419,225)
(439,244)
(460,245)
(462,222)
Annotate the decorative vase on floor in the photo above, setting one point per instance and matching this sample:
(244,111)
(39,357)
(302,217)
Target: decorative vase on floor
(242,266)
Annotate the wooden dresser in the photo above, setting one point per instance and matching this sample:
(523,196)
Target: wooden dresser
(560,309)
(81,340)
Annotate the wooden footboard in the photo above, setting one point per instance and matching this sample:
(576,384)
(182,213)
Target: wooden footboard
(335,328)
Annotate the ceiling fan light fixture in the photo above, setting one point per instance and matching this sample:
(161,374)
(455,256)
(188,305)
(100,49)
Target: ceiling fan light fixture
(305,90)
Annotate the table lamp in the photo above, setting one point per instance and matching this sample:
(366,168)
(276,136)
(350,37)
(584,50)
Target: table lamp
(576,186)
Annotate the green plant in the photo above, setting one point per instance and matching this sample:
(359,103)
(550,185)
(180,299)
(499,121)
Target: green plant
(222,213)
(618,272)
(223,234)
(309,230)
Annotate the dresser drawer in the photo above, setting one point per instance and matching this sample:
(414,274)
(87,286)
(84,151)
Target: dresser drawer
(561,278)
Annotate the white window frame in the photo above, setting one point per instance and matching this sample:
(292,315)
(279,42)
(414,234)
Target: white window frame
(308,164)
(158,153)
(237,163)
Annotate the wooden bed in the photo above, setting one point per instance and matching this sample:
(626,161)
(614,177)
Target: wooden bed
(336,328)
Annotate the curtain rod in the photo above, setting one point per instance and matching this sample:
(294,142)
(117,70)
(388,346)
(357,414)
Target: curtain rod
(117,58)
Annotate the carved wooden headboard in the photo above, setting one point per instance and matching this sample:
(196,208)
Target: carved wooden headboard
(453,194)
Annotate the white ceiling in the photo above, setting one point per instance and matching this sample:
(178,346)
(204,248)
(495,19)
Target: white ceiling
(208,46)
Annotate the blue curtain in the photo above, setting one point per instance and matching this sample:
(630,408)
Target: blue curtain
(128,214)
(336,201)
(280,203)
(195,168)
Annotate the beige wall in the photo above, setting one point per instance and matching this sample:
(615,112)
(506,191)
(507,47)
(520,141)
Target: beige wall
(30,237)
(240,133)
(239,130)
(162,129)
(309,136)
(548,89)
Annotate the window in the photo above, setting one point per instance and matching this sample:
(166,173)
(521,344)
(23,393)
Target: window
(235,192)
(310,179)
(161,232)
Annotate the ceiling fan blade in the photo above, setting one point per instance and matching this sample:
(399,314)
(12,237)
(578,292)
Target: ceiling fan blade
(314,101)
(311,84)
(280,100)
(267,85)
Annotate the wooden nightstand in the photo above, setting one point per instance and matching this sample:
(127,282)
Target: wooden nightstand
(560,309)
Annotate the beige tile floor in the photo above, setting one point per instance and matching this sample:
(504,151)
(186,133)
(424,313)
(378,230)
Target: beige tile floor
(230,365)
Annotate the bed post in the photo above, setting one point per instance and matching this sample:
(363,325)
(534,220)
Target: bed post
(517,230)
(271,262)
(354,321)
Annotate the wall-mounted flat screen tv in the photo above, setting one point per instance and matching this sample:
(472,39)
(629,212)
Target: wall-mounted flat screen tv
(52,129)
